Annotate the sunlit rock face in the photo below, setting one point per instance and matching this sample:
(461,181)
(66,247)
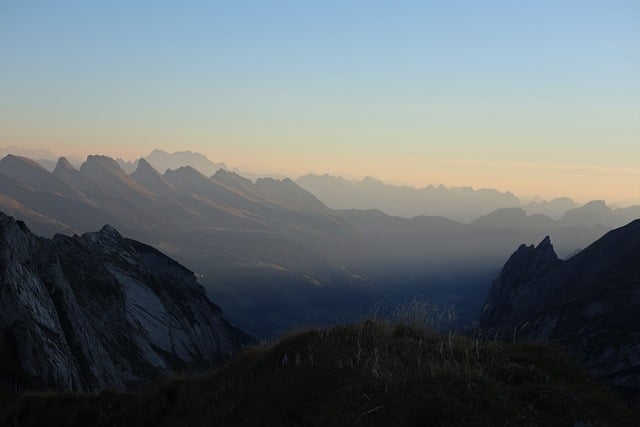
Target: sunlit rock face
(98,311)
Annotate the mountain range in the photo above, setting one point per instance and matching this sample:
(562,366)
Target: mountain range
(162,160)
(460,204)
(101,311)
(463,204)
(97,310)
(271,253)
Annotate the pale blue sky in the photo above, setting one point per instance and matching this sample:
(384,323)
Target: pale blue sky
(533,96)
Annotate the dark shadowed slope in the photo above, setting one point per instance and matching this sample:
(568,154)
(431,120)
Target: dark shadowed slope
(589,303)
(369,374)
(98,311)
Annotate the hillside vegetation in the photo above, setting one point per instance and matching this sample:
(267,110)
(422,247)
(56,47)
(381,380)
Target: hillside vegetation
(372,373)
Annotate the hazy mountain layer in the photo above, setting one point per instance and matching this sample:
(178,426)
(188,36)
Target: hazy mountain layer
(461,204)
(555,208)
(161,161)
(270,252)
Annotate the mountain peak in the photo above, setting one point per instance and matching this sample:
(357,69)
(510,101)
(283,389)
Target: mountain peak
(12,164)
(576,303)
(107,175)
(511,217)
(148,177)
(601,204)
(225,174)
(142,163)
(103,161)
(518,281)
(109,230)
(545,243)
(542,255)
(593,213)
(157,152)
(144,167)
(233,180)
(63,164)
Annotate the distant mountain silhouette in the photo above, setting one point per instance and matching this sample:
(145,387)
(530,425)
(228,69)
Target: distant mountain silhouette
(161,161)
(597,214)
(234,180)
(515,218)
(589,303)
(255,176)
(43,157)
(288,194)
(554,208)
(592,213)
(49,201)
(33,175)
(128,167)
(32,153)
(458,203)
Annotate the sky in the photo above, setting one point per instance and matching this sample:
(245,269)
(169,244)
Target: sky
(536,97)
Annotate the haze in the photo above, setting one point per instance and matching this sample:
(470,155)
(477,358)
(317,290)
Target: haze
(541,98)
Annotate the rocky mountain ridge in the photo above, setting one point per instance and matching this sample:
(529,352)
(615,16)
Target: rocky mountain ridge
(100,311)
(588,303)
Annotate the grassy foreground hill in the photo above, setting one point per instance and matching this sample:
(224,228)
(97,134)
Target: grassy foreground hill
(372,373)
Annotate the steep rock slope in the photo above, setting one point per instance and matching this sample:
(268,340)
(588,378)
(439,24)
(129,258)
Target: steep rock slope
(65,172)
(150,179)
(589,303)
(99,310)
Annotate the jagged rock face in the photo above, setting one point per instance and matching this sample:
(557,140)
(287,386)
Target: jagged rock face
(98,311)
(588,304)
(516,293)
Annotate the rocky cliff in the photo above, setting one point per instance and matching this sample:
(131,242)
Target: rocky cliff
(588,304)
(98,311)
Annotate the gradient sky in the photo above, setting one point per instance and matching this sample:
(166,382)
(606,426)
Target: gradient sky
(536,97)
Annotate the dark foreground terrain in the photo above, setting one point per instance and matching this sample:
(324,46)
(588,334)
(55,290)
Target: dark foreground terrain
(373,373)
